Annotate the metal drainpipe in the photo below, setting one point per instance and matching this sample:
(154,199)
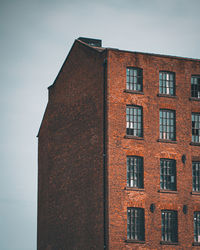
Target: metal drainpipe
(105,149)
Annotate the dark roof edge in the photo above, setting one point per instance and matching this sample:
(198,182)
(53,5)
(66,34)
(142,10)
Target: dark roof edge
(154,54)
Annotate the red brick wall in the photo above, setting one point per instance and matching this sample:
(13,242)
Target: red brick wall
(150,149)
(70,210)
(70,188)
(42,191)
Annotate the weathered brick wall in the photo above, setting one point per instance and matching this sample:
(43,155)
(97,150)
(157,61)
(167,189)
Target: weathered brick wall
(150,149)
(70,191)
(71,159)
(42,191)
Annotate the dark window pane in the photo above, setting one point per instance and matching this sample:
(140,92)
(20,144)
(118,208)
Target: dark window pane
(135,171)
(196,226)
(167,83)
(167,124)
(196,176)
(134,78)
(195,127)
(169,226)
(167,174)
(195,86)
(134,121)
(135,224)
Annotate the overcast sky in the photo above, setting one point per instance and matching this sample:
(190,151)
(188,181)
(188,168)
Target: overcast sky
(35,37)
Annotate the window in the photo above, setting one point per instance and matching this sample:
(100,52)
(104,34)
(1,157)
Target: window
(195,86)
(135,224)
(196,176)
(196,226)
(134,79)
(169,226)
(167,124)
(167,83)
(167,174)
(195,127)
(135,171)
(134,121)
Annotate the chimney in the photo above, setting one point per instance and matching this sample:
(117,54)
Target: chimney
(91,41)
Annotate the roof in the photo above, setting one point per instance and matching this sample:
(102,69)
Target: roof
(101,49)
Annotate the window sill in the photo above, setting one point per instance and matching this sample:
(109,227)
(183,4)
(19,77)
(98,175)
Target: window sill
(194,99)
(195,143)
(135,241)
(134,91)
(168,191)
(167,141)
(133,137)
(196,243)
(168,243)
(169,96)
(195,193)
(134,189)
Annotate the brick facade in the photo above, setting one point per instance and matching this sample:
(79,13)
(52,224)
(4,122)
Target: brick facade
(83,149)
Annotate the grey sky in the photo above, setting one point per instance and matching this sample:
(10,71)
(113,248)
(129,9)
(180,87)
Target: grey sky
(35,39)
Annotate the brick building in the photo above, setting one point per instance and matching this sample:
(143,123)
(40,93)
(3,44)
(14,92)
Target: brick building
(119,152)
